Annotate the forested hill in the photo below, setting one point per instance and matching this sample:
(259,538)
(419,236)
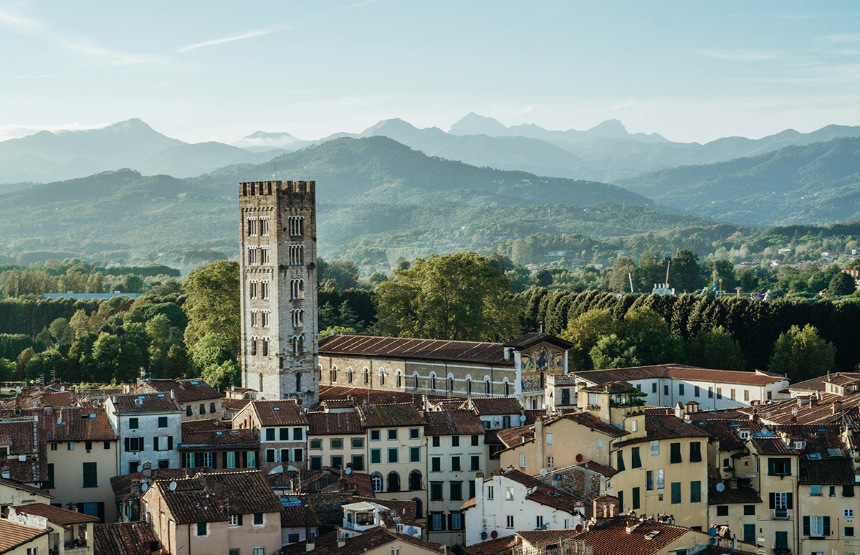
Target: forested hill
(795,185)
(381,170)
(375,185)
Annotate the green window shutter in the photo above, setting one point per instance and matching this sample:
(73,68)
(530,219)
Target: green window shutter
(806,527)
(620,461)
(676,493)
(827,526)
(695,452)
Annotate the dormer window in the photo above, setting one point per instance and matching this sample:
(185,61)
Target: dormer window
(745,434)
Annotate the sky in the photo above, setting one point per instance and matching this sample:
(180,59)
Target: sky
(218,70)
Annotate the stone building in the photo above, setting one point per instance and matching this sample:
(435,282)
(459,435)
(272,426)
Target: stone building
(278,284)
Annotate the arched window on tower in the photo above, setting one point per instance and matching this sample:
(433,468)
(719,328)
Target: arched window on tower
(382,376)
(450,384)
(299,382)
(367,376)
(487,387)
(399,379)
(419,508)
(468,386)
(333,374)
(415,380)
(433,381)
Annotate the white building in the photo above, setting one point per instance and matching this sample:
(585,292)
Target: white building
(149,427)
(665,385)
(513,501)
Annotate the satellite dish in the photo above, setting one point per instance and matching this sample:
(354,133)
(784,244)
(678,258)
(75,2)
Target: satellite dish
(712,531)
(721,487)
(139,467)
(144,487)
(522,418)
(277,470)
(348,471)
(543,471)
(579,457)
(62,388)
(299,402)
(483,535)
(494,534)
(172,486)
(60,420)
(17,389)
(410,531)
(579,527)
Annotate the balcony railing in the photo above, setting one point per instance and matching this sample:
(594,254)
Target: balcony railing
(781,514)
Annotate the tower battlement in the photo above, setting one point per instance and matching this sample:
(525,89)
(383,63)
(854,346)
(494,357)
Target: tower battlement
(261,188)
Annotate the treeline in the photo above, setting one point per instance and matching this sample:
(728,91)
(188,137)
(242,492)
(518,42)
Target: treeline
(754,325)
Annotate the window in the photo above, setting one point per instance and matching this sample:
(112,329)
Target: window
(392,435)
(414,433)
(393,454)
(414,454)
(456,491)
(264,289)
(202,529)
(539,522)
(749,533)
(235,520)
(722,510)
(749,509)
(620,462)
(635,500)
(133,444)
(376,481)
(270,434)
(695,391)
(680,389)
(436,491)
(489,492)
(270,455)
(316,462)
(259,551)
(252,255)
(848,491)
(649,480)
(298,434)
(70,446)
(475,441)
(654,387)
(258,519)
(848,531)
(719,393)
(487,390)
(375,435)
(695,452)
(816,526)
(655,447)
(455,441)
(455,464)
(660,483)
(358,462)
(435,464)
(779,466)
(815,491)
(710,393)
(91,475)
(393,481)
(509,493)
(358,443)
(284,434)
(635,461)
(252,289)
(523,461)
(456,521)
(133,423)
(676,492)
(509,521)
(848,513)
(232,459)
(732,394)
(415,480)
(675,453)
(695,492)
(375,456)
(252,226)
(316,444)
(475,462)
(336,443)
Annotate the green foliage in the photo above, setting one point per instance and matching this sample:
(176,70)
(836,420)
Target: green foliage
(222,376)
(716,349)
(11,344)
(176,363)
(344,273)
(684,273)
(61,331)
(212,305)
(7,370)
(840,284)
(456,297)
(148,311)
(585,331)
(211,352)
(801,354)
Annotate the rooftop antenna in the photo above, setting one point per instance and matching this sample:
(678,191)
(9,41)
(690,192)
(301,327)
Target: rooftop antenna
(629,275)
(668,265)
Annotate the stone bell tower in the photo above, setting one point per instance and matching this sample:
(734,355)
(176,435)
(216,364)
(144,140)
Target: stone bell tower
(278,284)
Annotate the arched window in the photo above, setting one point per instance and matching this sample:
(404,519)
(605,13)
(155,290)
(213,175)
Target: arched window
(399,379)
(376,481)
(367,376)
(349,375)
(299,382)
(432,381)
(469,386)
(419,508)
(415,480)
(487,387)
(298,344)
(393,481)
(382,376)
(450,384)
(334,374)
(415,377)
(508,389)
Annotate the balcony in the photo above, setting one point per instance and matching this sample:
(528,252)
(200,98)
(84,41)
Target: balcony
(781,514)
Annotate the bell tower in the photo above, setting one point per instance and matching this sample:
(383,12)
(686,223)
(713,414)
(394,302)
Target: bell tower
(278,284)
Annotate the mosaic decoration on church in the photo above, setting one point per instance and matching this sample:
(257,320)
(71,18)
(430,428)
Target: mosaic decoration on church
(543,359)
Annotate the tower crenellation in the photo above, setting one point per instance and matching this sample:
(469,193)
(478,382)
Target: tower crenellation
(279,289)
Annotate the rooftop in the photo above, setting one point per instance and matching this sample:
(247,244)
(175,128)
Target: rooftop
(645,537)
(278,413)
(420,349)
(492,406)
(144,402)
(13,535)
(78,424)
(330,423)
(55,514)
(124,538)
(374,538)
(392,415)
(679,371)
(185,391)
(449,422)
(665,426)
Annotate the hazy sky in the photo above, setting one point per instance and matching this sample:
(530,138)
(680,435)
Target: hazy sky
(218,70)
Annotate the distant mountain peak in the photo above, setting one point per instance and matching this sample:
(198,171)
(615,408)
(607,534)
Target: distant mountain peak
(475,124)
(387,125)
(611,128)
(133,124)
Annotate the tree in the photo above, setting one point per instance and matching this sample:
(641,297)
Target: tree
(211,352)
(619,278)
(80,323)
(455,296)
(23,358)
(584,332)
(840,284)
(61,331)
(158,332)
(223,375)
(643,318)
(7,370)
(176,363)
(212,305)
(684,272)
(44,365)
(802,354)
(716,349)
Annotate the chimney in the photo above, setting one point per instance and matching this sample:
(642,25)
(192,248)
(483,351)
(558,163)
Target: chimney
(679,411)
(507,351)
(310,546)
(341,542)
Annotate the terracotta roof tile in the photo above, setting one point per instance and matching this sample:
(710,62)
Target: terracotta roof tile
(145,402)
(211,433)
(744,495)
(124,538)
(830,409)
(420,349)
(59,399)
(25,438)
(122,485)
(596,424)
(55,514)
(279,413)
(393,415)
(329,423)
(611,537)
(679,371)
(78,424)
(547,495)
(529,339)
(13,535)
(185,391)
(372,539)
(299,516)
(771,446)
(344,397)
(665,426)
(211,497)
(235,405)
(448,421)
(501,546)
(542,539)
(24,487)
(484,406)
(512,437)
(817,384)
